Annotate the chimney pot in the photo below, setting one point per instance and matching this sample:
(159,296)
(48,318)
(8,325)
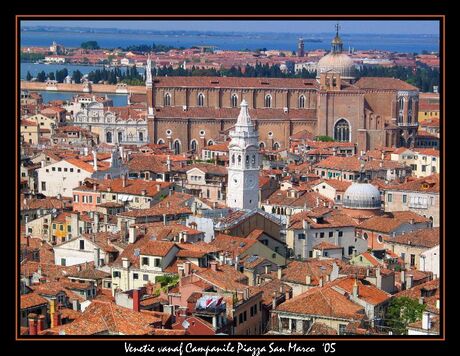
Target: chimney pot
(213,265)
(136,299)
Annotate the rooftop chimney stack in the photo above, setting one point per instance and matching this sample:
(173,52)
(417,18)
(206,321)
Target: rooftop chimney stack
(213,265)
(136,299)
(187,268)
(123,179)
(94,160)
(355,289)
(32,324)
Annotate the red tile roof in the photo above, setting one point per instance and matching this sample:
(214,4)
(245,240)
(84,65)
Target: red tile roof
(31,300)
(384,83)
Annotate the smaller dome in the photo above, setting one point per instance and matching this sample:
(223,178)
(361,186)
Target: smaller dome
(361,196)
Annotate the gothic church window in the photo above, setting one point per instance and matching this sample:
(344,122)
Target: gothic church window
(200,99)
(167,99)
(268,101)
(108,137)
(234,101)
(176,147)
(301,102)
(342,131)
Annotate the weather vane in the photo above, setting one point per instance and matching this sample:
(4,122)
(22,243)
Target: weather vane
(337,27)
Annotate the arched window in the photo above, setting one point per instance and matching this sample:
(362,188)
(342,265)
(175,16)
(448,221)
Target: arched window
(200,99)
(120,136)
(233,158)
(342,131)
(193,146)
(262,145)
(176,147)
(141,136)
(301,102)
(409,111)
(400,109)
(268,101)
(253,161)
(234,101)
(276,146)
(239,160)
(160,141)
(167,100)
(108,137)
(247,161)
(210,142)
(366,236)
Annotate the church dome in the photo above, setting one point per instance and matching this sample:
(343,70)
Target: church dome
(362,196)
(337,63)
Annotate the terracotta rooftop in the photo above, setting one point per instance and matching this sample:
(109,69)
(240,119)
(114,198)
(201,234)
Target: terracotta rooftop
(391,221)
(31,300)
(106,317)
(325,302)
(383,83)
(421,238)
(367,292)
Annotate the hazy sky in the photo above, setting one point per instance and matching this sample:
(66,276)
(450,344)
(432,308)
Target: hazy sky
(383,27)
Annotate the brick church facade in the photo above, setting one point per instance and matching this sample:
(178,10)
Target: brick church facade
(189,113)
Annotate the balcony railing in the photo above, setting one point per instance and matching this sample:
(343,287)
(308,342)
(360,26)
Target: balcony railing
(409,124)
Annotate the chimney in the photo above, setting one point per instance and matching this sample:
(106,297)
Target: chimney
(41,323)
(305,224)
(132,234)
(187,268)
(378,276)
(307,279)
(32,324)
(42,164)
(122,153)
(328,278)
(85,150)
(355,289)
(267,269)
(125,262)
(164,219)
(321,281)
(95,160)
(123,180)
(412,221)
(409,281)
(168,163)
(57,318)
(274,301)
(280,273)
(426,321)
(136,299)
(185,235)
(213,265)
(158,187)
(27,240)
(97,257)
(246,293)
(403,279)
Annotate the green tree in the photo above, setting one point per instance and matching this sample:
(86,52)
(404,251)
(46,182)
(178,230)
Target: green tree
(76,76)
(51,76)
(401,312)
(89,45)
(41,77)
(28,76)
(324,138)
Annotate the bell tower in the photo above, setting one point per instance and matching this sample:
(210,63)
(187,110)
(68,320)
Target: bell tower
(243,169)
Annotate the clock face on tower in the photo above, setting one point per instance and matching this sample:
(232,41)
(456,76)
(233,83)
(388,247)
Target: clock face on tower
(250,182)
(235,180)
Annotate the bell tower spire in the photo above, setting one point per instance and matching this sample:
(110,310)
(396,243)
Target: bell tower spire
(243,168)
